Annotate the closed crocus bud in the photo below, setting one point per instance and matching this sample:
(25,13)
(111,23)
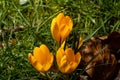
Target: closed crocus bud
(41,59)
(67,61)
(61,27)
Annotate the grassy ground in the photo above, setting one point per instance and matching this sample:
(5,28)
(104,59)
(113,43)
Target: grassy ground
(24,26)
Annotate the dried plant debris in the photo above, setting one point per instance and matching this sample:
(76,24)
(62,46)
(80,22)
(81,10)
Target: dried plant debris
(113,41)
(6,32)
(100,57)
(118,76)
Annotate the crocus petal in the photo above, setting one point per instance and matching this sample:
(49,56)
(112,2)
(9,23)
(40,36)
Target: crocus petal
(64,33)
(47,66)
(55,30)
(73,67)
(35,63)
(43,68)
(39,67)
(59,55)
(63,62)
(77,57)
(70,23)
(37,53)
(59,18)
(45,54)
(31,58)
(67,69)
(70,54)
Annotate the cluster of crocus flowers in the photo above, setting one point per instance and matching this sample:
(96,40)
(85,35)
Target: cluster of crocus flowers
(61,27)
(66,58)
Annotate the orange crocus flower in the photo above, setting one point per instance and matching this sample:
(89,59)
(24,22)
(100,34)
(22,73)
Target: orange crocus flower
(41,59)
(61,27)
(67,61)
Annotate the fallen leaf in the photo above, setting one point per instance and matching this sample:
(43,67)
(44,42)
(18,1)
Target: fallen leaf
(102,62)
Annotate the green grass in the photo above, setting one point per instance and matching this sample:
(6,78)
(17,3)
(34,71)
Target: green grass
(90,17)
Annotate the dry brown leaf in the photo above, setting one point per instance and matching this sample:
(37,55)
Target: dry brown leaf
(112,40)
(101,67)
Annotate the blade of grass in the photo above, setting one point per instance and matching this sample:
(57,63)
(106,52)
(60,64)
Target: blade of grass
(91,34)
(18,10)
